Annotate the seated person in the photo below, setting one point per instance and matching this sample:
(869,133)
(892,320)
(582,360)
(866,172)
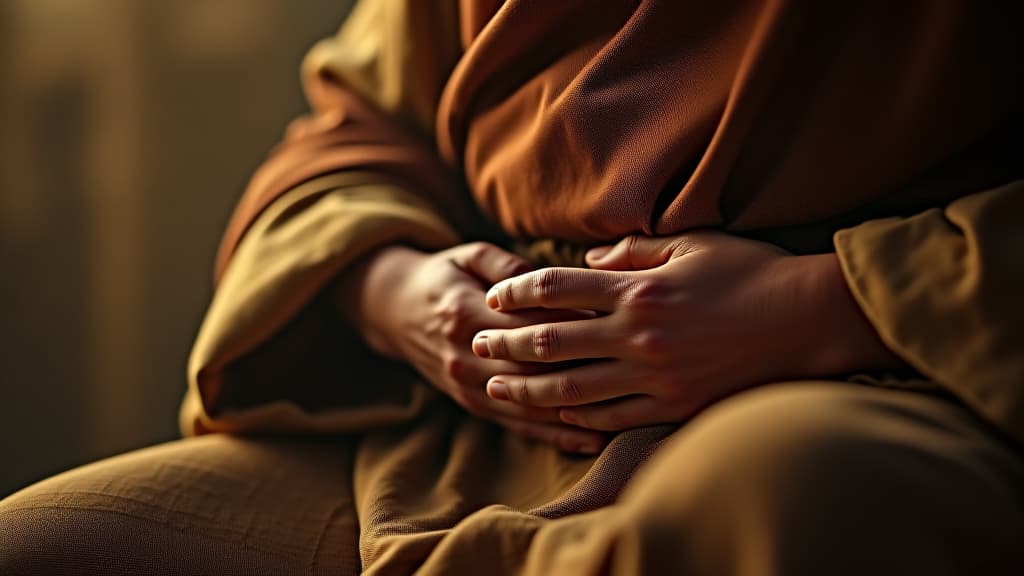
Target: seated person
(630,288)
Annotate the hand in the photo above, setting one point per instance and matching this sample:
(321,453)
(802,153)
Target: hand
(425,308)
(685,321)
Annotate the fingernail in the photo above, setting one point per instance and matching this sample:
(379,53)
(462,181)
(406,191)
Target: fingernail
(595,254)
(497,389)
(492,297)
(480,347)
(567,417)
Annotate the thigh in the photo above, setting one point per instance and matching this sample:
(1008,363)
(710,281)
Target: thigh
(209,505)
(831,477)
(808,478)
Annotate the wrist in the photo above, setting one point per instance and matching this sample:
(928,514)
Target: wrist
(835,335)
(365,292)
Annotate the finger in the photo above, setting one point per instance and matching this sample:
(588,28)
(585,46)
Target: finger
(636,253)
(488,262)
(568,438)
(487,406)
(618,415)
(595,382)
(565,288)
(461,312)
(469,375)
(492,319)
(553,342)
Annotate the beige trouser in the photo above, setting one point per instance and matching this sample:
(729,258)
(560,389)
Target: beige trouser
(806,478)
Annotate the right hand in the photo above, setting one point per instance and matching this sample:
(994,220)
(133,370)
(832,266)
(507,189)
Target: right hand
(425,308)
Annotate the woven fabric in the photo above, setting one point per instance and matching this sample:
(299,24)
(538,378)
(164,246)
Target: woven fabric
(211,505)
(804,478)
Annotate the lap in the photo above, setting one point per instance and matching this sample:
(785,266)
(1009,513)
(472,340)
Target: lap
(800,475)
(859,478)
(214,504)
(802,478)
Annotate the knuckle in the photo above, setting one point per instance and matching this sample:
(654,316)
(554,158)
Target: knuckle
(498,344)
(450,329)
(507,295)
(568,389)
(513,266)
(519,389)
(650,344)
(455,313)
(649,295)
(448,306)
(545,342)
(460,296)
(453,366)
(545,284)
(475,251)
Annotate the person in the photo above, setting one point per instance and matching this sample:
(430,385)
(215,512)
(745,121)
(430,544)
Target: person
(637,288)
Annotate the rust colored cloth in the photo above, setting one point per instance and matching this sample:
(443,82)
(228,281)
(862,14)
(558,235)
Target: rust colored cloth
(571,122)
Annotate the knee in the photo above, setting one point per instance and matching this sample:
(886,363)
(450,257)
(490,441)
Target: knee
(101,518)
(41,540)
(65,525)
(81,541)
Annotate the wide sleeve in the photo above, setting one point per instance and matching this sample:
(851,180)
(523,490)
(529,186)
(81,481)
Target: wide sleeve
(945,290)
(357,173)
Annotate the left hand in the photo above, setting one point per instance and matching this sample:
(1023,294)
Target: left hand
(684,321)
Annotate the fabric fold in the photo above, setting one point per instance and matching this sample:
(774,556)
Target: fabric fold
(943,290)
(373,89)
(270,355)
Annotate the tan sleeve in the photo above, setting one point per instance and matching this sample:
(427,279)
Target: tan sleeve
(945,290)
(373,89)
(356,174)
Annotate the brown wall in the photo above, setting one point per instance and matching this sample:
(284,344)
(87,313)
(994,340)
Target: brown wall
(127,130)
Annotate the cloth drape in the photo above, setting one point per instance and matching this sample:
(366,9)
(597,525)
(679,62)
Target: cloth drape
(865,128)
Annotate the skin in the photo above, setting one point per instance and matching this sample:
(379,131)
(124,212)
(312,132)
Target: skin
(425,308)
(655,331)
(682,322)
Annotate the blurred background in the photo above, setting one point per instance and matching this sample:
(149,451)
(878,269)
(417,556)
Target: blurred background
(128,129)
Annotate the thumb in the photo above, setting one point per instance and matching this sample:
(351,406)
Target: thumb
(632,253)
(489,263)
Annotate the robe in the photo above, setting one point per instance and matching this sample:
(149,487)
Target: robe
(886,133)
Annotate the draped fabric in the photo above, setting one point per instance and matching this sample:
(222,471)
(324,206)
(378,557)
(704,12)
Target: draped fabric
(659,116)
(655,117)
(886,132)
(882,132)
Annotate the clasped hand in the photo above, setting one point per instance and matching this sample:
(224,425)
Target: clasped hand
(681,322)
(654,331)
